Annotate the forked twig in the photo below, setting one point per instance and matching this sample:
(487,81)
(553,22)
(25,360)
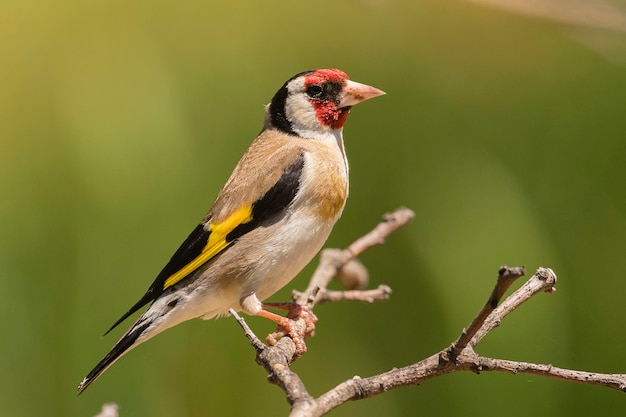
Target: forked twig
(459,356)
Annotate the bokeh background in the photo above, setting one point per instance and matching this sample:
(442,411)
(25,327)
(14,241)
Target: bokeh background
(504,128)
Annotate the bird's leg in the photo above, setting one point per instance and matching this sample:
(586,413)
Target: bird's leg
(296,311)
(287,325)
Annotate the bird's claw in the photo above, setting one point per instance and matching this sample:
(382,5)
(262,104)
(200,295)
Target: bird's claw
(290,326)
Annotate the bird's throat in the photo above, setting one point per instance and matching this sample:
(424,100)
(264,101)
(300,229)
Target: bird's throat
(329,115)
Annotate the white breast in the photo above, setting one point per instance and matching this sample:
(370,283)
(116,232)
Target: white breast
(265,259)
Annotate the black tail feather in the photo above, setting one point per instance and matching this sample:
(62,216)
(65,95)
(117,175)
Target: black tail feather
(148,297)
(126,342)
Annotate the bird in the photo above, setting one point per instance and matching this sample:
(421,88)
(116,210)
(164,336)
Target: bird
(269,220)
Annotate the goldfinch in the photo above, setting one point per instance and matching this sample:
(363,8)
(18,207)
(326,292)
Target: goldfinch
(269,220)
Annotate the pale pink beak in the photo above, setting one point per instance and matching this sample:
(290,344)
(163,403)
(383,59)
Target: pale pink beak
(354,93)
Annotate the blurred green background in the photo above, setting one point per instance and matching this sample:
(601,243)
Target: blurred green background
(505,131)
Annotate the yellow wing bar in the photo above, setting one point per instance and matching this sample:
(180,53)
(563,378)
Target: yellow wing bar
(216,243)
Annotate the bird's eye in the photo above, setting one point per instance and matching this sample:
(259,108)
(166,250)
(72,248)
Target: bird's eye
(315,91)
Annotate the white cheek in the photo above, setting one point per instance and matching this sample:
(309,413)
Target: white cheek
(301,113)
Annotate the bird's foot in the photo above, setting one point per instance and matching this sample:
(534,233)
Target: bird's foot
(289,326)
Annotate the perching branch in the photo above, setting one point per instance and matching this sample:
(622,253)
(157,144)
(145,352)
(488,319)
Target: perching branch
(459,356)
(343,263)
(506,277)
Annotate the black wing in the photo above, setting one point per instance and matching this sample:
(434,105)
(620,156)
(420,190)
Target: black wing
(273,202)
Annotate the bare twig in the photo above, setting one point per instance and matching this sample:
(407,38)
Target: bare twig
(254,340)
(443,362)
(615,381)
(333,260)
(368,296)
(506,276)
(543,280)
(277,358)
(459,356)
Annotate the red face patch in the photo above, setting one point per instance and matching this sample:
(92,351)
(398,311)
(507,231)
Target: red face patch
(321,76)
(326,110)
(329,115)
